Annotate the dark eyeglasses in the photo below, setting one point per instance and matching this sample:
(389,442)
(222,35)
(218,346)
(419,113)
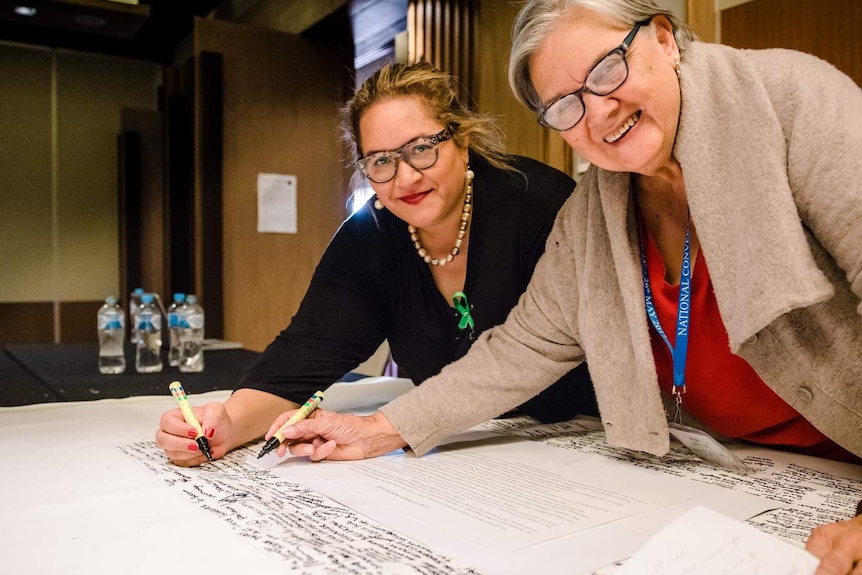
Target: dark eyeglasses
(419,153)
(607,75)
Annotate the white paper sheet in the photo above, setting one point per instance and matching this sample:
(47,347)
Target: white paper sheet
(72,503)
(364,395)
(708,543)
(276,203)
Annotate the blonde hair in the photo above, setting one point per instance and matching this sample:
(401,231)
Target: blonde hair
(438,91)
(539,18)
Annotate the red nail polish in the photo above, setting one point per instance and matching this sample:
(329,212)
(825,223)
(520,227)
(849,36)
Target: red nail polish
(192,447)
(209,432)
(192,433)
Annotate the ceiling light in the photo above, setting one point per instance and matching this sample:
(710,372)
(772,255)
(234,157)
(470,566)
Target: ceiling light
(25,10)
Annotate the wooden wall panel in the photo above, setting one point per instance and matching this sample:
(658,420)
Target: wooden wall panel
(444,33)
(490,88)
(78,320)
(830,31)
(280,97)
(26,322)
(702,19)
(472,39)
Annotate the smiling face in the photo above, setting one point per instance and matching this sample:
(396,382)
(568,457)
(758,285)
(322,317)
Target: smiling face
(431,199)
(633,128)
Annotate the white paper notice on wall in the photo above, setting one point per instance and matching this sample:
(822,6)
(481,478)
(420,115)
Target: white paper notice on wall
(276,203)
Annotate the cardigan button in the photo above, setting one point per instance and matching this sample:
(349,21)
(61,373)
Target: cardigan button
(752,339)
(804,394)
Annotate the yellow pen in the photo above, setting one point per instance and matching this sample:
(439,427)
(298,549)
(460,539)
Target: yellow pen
(301,413)
(178,392)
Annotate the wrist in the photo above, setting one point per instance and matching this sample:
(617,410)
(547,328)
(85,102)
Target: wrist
(383,437)
(250,413)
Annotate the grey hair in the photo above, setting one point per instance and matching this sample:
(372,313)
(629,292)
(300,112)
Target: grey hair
(539,18)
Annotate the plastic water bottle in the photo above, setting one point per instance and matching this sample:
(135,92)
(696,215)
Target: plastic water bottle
(159,305)
(135,301)
(192,336)
(148,336)
(134,306)
(175,313)
(111,323)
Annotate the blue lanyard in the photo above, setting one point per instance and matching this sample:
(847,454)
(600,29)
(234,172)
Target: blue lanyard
(683,321)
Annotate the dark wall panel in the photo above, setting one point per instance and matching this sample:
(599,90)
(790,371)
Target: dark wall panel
(78,321)
(26,322)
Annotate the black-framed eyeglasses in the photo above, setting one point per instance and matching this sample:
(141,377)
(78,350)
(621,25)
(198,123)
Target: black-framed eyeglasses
(604,77)
(420,154)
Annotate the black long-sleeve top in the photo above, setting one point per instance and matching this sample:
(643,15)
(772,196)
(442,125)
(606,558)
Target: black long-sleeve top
(371,285)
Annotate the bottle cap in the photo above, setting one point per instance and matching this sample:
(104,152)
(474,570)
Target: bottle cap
(192,299)
(110,300)
(178,297)
(138,291)
(147,298)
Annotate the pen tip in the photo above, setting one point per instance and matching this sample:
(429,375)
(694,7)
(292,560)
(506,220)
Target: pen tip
(271,444)
(205,447)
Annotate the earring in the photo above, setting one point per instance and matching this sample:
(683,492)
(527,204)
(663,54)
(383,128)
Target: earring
(676,65)
(378,205)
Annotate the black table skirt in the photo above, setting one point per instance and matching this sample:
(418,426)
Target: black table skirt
(37,373)
(20,387)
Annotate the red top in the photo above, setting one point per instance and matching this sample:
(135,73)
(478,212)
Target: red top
(722,390)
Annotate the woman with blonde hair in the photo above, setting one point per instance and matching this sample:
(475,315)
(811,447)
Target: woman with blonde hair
(440,254)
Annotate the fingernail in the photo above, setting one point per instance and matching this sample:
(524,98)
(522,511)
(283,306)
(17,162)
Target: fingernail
(192,447)
(192,433)
(307,450)
(209,432)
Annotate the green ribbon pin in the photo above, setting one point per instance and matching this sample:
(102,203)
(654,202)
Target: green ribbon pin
(459,298)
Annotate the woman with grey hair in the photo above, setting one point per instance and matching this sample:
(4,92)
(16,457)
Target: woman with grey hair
(709,265)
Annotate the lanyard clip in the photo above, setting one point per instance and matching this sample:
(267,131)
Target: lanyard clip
(678,390)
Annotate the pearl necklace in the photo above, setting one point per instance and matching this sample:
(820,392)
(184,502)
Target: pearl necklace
(462,230)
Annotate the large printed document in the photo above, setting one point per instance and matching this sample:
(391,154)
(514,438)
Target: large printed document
(810,491)
(501,497)
(299,529)
(503,505)
(84,489)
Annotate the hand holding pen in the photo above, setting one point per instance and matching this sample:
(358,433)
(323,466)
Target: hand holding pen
(182,399)
(304,411)
(337,436)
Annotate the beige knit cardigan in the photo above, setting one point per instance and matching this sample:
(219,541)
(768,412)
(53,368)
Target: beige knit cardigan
(770,144)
